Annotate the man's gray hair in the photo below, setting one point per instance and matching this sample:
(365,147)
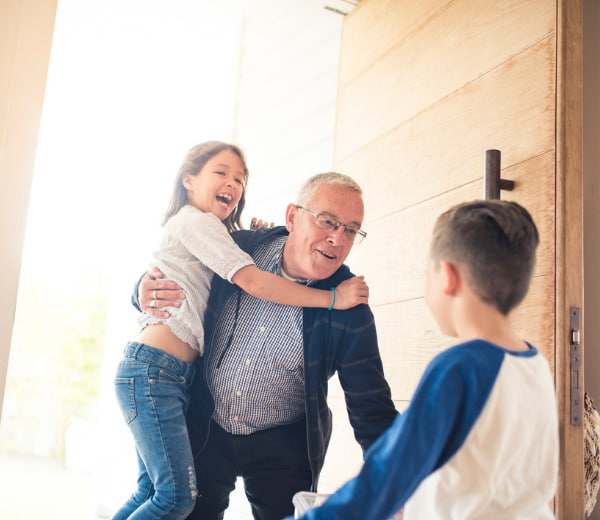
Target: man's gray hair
(308,188)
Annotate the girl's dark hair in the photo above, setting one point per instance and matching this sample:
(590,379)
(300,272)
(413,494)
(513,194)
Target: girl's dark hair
(194,161)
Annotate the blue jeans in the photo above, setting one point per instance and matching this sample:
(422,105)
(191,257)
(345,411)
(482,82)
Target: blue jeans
(152,389)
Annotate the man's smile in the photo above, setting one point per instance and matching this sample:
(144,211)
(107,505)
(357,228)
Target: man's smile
(330,256)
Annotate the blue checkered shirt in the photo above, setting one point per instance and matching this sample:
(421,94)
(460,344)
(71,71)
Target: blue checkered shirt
(256,365)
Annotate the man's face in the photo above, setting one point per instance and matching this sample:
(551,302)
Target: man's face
(311,252)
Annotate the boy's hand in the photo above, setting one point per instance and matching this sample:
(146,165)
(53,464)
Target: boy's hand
(351,292)
(155,294)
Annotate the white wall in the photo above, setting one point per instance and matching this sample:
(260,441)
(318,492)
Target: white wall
(285,105)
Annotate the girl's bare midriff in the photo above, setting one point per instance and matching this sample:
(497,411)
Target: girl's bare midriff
(161,337)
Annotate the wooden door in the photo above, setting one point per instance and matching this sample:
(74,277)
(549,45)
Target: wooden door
(425,87)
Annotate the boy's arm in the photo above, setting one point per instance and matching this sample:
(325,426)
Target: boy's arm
(443,410)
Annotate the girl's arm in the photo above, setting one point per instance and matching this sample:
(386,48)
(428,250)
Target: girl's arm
(206,238)
(268,286)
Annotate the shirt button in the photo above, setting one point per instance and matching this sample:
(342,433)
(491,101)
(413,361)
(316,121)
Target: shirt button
(247,362)
(238,393)
(262,329)
(236,418)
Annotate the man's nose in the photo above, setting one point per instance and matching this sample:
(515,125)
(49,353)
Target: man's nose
(336,235)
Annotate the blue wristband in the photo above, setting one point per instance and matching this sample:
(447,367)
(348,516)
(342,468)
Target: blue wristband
(333,299)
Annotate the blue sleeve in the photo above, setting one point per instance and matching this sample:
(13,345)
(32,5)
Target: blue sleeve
(444,408)
(368,396)
(134,296)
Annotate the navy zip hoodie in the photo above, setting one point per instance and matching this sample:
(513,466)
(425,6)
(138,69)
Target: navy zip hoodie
(334,341)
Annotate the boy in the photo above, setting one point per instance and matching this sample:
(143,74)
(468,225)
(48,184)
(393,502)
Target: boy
(480,437)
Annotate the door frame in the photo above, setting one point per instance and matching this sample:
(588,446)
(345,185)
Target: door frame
(569,502)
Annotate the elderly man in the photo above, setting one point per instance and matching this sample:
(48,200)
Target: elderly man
(259,401)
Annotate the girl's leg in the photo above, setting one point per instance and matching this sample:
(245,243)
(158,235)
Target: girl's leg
(132,374)
(144,491)
(156,405)
(163,443)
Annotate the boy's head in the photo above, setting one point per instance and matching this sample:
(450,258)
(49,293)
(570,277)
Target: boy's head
(494,242)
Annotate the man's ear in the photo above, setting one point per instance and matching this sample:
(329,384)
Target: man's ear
(450,278)
(290,216)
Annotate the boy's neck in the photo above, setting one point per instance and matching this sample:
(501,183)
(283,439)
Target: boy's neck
(487,323)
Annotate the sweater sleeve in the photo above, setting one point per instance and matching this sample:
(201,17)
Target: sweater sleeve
(360,370)
(446,405)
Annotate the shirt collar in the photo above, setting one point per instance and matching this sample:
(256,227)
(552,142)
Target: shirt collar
(277,266)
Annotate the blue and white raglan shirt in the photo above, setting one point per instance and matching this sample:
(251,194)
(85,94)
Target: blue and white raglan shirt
(478,441)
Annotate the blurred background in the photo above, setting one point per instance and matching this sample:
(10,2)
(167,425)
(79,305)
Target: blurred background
(131,87)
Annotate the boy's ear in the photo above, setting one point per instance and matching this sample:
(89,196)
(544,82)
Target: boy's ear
(450,277)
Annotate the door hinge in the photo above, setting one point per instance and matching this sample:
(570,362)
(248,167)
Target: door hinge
(575,366)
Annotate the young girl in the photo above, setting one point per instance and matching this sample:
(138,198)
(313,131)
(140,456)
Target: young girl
(153,379)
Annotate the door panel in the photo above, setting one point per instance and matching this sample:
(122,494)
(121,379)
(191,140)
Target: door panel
(464,25)
(410,77)
(425,88)
(510,108)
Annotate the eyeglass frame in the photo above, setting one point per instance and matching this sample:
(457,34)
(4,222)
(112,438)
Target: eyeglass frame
(359,236)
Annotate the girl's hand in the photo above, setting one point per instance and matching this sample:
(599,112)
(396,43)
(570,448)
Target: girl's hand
(155,294)
(351,292)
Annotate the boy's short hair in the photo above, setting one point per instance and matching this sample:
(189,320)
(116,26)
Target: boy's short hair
(496,241)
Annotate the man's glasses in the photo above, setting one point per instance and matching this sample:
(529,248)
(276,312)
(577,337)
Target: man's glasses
(326,222)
